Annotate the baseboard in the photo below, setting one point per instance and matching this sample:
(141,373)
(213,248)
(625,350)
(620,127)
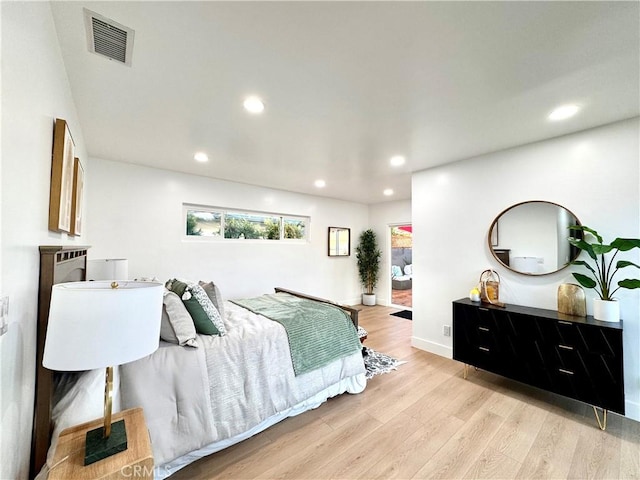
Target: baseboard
(632,410)
(358,301)
(352,301)
(432,347)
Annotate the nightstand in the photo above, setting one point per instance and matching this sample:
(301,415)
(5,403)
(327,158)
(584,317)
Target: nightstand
(136,462)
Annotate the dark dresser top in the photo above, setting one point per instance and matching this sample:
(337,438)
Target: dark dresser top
(544,313)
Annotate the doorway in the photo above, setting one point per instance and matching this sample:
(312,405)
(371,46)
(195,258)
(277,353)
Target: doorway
(401,265)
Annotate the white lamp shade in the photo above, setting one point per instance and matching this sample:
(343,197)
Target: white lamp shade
(92,325)
(108,269)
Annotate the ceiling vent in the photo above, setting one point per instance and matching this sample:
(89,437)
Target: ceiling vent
(108,38)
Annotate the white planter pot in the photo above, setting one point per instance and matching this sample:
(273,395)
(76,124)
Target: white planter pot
(606,310)
(369,299)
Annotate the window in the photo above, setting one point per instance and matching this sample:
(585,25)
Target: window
(250,226)
(203,223)
(294,228)
(220,223)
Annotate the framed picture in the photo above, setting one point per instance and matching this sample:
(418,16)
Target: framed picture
(339,242)
(76,200)
(62,166)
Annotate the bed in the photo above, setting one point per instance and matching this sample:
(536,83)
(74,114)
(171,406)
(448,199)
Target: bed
(229,388)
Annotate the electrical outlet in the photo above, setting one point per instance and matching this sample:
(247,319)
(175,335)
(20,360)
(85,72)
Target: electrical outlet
(446,330)
(4,314)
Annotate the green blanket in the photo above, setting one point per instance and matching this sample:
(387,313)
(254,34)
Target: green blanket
(318,333)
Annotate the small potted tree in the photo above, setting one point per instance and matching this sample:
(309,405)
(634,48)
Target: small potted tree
(600,278)
(368,256)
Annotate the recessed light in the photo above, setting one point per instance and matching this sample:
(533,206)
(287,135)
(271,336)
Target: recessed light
(253,105)
(320,183)
(388,192)
(397,161)
(201,157)
(563,112)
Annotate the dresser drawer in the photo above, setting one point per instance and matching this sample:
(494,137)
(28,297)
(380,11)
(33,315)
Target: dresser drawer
(478,338)
(570,382)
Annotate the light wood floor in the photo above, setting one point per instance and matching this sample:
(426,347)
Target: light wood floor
(425,421)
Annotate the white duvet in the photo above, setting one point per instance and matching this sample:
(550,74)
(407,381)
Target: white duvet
(231,387)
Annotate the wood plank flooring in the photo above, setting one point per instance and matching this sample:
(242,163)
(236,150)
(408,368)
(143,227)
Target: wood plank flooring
(425,421)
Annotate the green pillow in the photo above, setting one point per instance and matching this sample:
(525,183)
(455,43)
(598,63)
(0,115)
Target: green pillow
(201,320)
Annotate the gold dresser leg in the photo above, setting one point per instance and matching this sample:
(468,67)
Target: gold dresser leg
(602,424)
(465,372)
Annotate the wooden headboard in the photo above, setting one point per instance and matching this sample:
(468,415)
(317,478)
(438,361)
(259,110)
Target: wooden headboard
(58,264)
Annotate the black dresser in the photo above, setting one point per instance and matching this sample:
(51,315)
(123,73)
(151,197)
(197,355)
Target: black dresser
(580,358)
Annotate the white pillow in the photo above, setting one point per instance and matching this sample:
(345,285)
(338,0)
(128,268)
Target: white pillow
(176,325)
(408,269)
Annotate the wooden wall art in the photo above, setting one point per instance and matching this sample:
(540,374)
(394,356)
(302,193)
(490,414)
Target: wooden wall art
(76,201)
(62,167)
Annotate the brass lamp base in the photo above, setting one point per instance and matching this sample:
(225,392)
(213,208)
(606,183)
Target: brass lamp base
(111,438)
(98,446)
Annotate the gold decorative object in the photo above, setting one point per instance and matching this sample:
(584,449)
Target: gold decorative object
(490,288)
(571,300)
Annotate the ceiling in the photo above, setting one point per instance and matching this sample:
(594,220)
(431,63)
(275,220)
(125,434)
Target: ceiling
(346,85)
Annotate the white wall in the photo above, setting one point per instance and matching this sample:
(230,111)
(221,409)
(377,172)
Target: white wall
(381,217)
(592,173)
(35,91)
(135,212)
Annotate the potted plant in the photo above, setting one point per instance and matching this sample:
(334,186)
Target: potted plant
(600,278)
(368,256)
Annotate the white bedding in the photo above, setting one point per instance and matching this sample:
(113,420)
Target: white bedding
(199,401)
(196,401)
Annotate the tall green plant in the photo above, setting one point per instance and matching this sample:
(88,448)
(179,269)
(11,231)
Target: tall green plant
(368,256)
(600,278)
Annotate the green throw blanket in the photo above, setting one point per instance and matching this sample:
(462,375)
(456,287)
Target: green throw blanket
(318,333)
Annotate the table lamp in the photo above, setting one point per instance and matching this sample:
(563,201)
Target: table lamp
(108,269)
(98,325)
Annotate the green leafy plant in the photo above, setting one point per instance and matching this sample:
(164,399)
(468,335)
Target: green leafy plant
(240,228)
(291,230)
(192,225)
(601,277)
(368,256)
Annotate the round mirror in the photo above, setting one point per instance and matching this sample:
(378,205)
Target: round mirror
(532,238)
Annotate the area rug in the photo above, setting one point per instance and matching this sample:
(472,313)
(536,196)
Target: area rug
(378,363)
(408,314)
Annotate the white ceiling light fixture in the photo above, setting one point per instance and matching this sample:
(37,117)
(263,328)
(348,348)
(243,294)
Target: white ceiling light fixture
(563,112)
(397,160)
(320,183)
(201,157)
(388,192)
(253,105)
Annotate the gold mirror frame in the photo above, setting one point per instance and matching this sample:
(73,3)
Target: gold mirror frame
(527,265)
